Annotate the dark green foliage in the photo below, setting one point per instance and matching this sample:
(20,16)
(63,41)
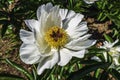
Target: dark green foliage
(9,77)
(87,69)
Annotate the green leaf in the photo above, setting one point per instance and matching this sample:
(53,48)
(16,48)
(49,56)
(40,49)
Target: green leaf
(87,69)
(114,18)
(115,32)
(4,29)
(115,74)
(10,77)
(20,68)
(95,50)
(88,62)
(108,38)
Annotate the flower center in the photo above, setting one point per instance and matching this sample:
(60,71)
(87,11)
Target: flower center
(56,37)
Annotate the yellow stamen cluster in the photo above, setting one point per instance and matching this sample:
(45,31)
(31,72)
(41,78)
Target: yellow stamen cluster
(56,37)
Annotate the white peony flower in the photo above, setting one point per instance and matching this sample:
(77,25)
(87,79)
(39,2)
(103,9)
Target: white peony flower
(56,37)
(113,51)
(90,1)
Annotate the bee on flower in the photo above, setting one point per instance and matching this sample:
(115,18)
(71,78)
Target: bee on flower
(55,37)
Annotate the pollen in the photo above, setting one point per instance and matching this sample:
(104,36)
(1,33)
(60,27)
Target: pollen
(56,37)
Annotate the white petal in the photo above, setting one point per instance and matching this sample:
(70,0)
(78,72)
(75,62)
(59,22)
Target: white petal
(87,43)
(82,26)
(78,54)
(43,9)
(63,13)
(96,58)
(43,46)
(29,53)
(116,41)
(117,48)
(65,57)
(48,62)
(81,43)
(26,36)
(75,20)
(76,32)
(70,14)
(74,26)
(75,41)
(89,1)
(33,25)
(66,16)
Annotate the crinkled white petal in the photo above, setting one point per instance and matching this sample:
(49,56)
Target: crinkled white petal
(75,41)
(47,62)
(26,36)
(65,57)
(90,1)
(44,9)
(73,23)
(43,47)
(78,54)
(66,14)
(33,25)
(77,31)
(53,18)
(70,14)
(63,13)
(75,20)
(80,43)
(29,53)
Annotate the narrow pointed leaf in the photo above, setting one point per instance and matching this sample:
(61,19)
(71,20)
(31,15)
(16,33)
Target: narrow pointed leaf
(4,29)
(108,38)
(10,77)
(20,68)
(87,69)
